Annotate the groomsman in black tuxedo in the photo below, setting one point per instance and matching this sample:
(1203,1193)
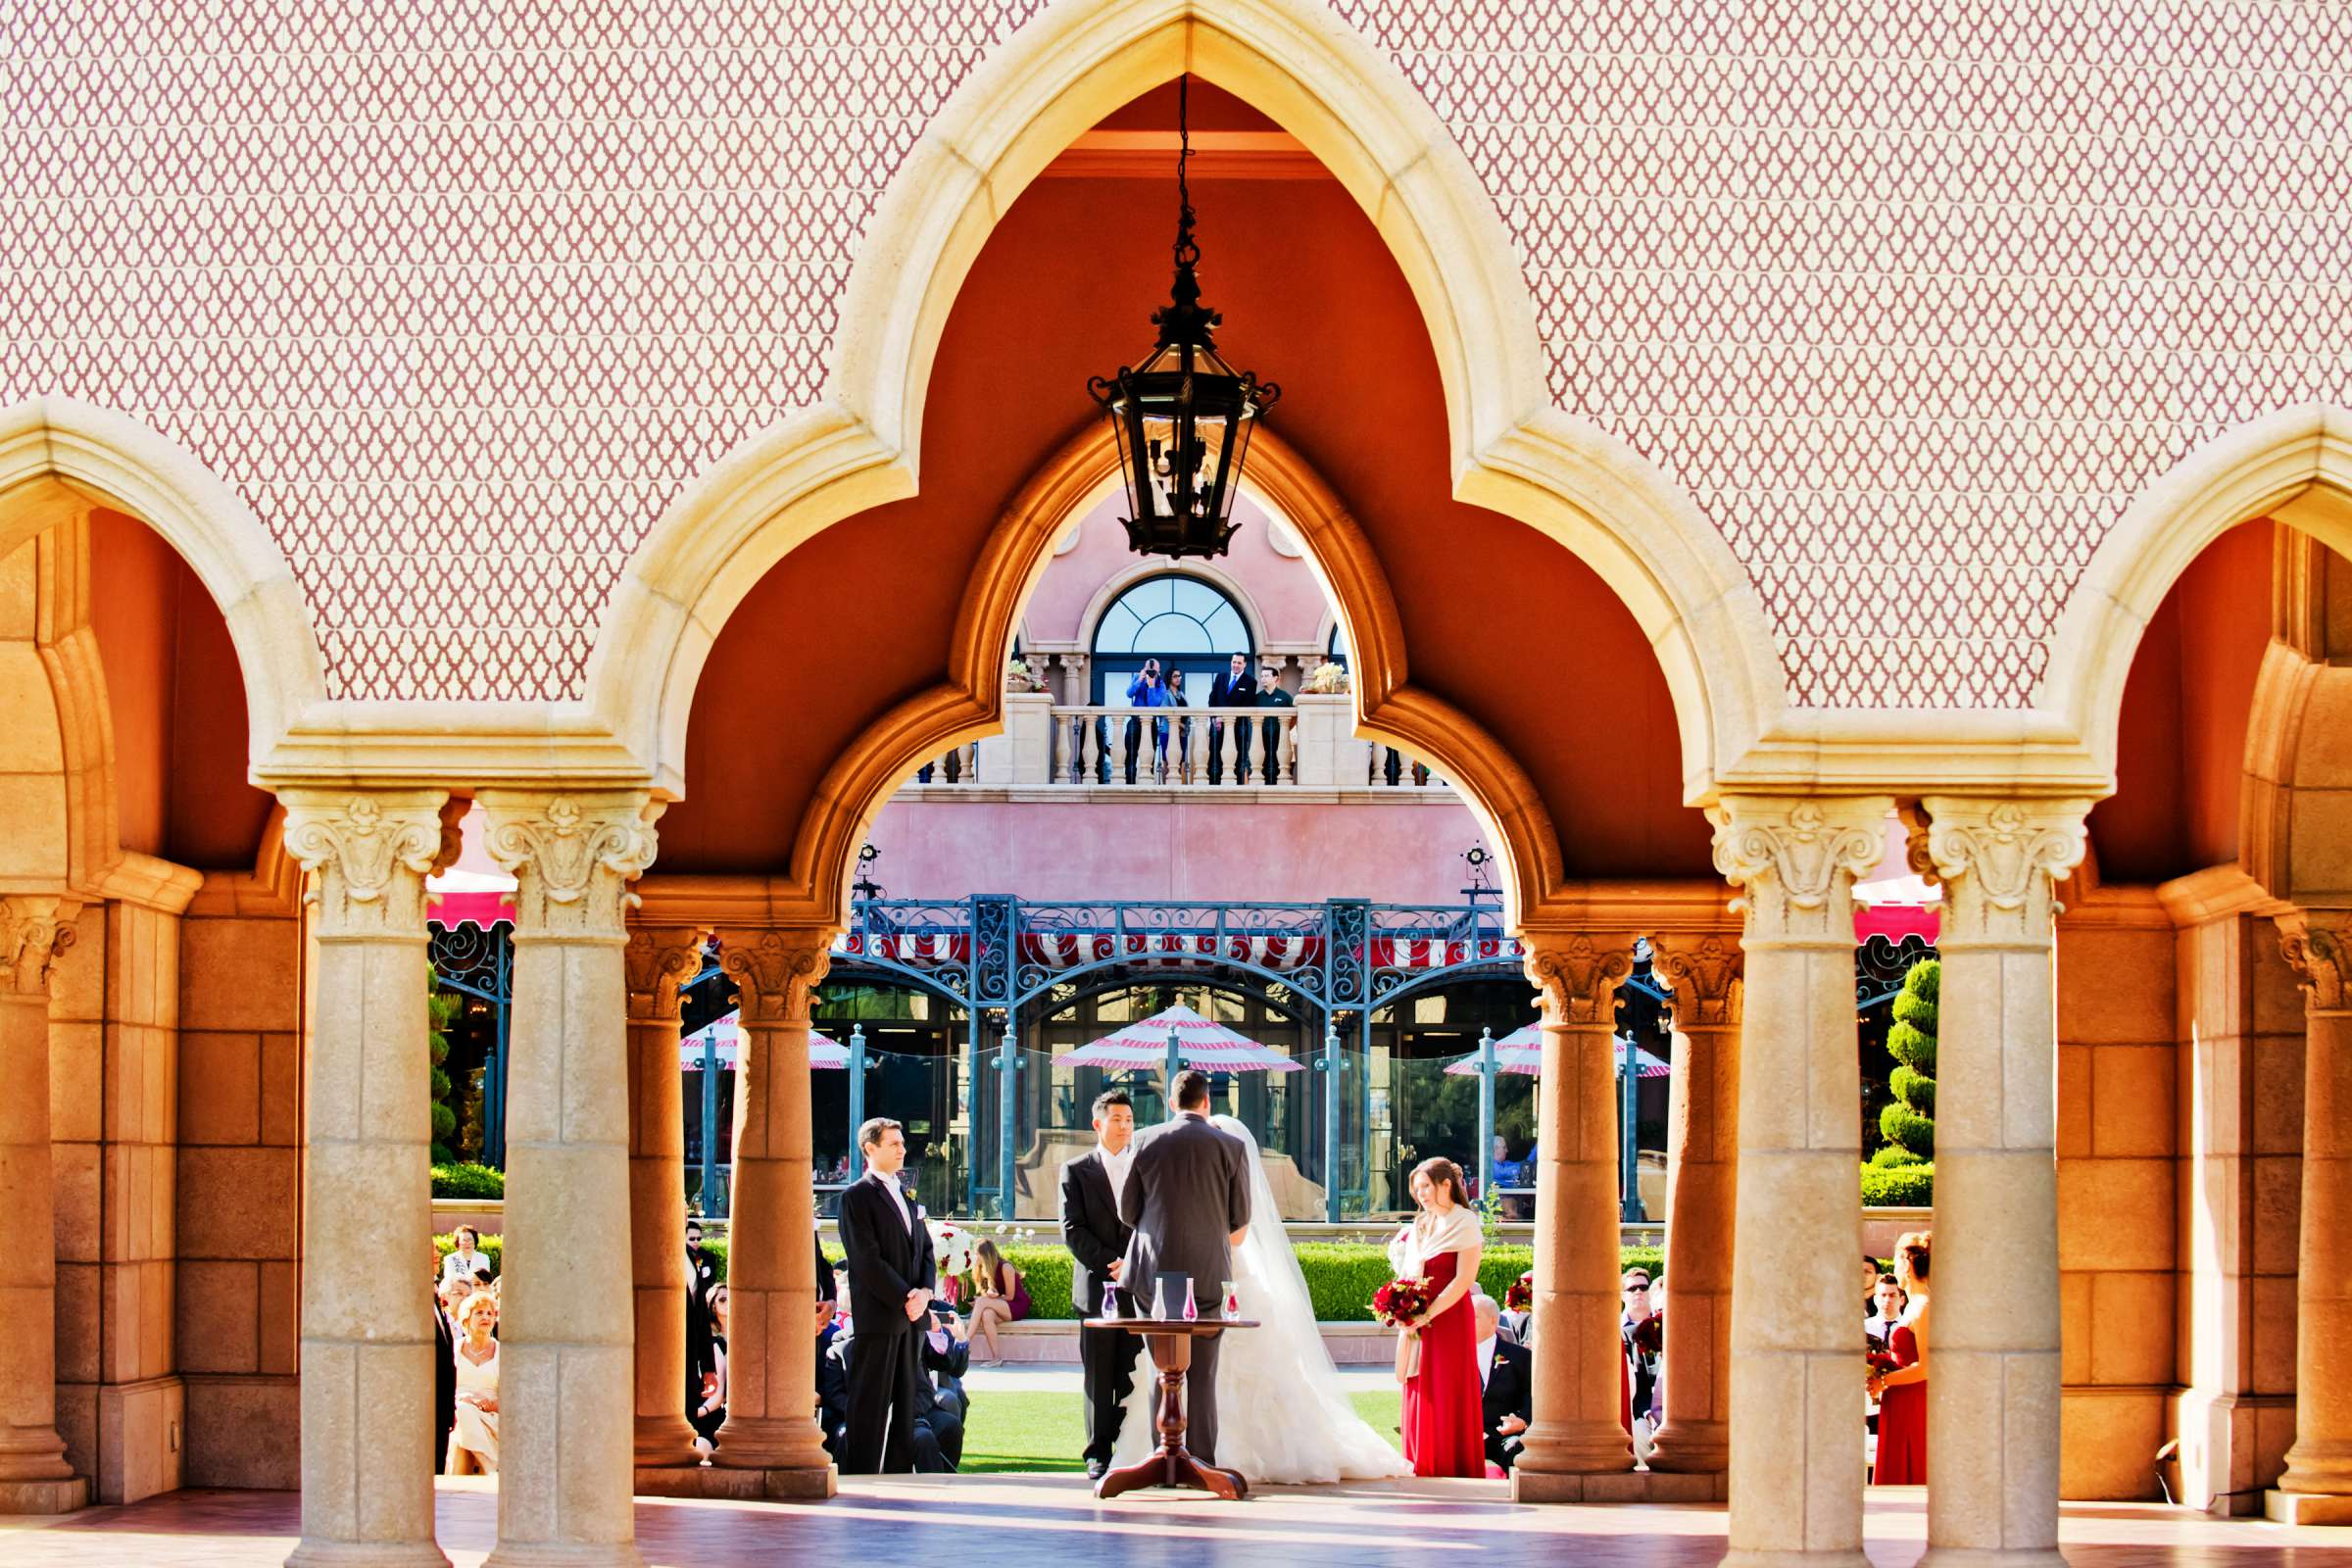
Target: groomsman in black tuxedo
(1097,1243)
(1507,1374)
(445,1377)
(891,1276)
(1232,689)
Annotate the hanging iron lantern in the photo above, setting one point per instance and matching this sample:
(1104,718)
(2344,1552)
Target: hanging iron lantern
(1183,417)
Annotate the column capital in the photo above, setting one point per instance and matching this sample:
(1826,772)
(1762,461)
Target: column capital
(367,853)
(572,856)
(1709,975)
(1796,860)
(776,970)
(658,959)
(2318,946)
(35,929)
(1578,974)
(2000,860)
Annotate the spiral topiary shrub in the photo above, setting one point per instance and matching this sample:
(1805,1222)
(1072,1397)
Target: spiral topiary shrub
(442,1009)
(1910,1123)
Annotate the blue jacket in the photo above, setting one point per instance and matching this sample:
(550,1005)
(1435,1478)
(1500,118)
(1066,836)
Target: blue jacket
(1140,694)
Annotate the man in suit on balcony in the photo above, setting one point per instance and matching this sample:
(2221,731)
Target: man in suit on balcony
(1232,689)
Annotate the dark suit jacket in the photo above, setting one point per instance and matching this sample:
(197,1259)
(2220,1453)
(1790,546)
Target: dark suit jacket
(886,1259)
(1510,1390)
(1226,692)
(827,1285)
(1186,1192)
(1092,1229)
(445,1385)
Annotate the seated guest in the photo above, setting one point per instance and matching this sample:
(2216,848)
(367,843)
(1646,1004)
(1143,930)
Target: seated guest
(473,1443)
(1507,1374)
(708,1412)
(1520,1327)
(940,1400)
(999,1296)
(464,1257)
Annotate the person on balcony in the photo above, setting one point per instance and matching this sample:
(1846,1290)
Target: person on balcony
(1233,689)
(1148,689)
(1182,723)
(1270,695)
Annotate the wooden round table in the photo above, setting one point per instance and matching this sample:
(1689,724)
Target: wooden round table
(1172,1464)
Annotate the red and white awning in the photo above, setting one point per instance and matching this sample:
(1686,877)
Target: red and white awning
(726,1035)
(1521,1052)
(1200,1043)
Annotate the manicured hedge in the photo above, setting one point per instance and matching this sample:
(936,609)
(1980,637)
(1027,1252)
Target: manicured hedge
(1341,1276)
(1900,1186)
(492,1248)
(468,1180)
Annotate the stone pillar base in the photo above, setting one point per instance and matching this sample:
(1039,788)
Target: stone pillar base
(1692,1448)
(1992,1557)
(665,1442)
(566,1554)
(367,1554)
(2307,1507)
(737,1486)
(1615,1486)
(1794,1559)
(63,1495)
(771,1443)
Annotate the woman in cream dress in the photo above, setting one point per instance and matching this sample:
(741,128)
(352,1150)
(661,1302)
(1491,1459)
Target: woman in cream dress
(473,1443)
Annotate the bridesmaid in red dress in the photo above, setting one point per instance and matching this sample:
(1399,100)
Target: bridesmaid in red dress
(1443,1420)
(1902,1394)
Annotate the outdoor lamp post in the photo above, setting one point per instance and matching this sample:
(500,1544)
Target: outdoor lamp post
(1183,417)
(1487,1068)
(1628,1061)
(857,1099)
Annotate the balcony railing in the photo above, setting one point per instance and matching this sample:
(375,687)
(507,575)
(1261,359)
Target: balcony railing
(1053,745)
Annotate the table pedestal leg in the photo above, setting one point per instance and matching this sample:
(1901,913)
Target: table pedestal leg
(1172,1464)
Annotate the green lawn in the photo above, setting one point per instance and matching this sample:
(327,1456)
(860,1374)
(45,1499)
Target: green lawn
(1045,1432)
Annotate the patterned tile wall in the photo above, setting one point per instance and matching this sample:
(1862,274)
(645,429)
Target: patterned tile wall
(1913,298)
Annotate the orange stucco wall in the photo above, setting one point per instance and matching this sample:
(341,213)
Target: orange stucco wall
(1497,619)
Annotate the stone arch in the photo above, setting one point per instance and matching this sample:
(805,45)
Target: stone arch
(2294,465)
(1513,451)
(57,455)
(1498,791)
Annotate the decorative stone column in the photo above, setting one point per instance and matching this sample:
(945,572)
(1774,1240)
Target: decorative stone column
(34,1477)
(657,960)
(1797,1357)
(566,1330)
(1702,1156)
(366,1300)
(771,1255)
(2317,1487)
(1578,1431)
(1994,1383)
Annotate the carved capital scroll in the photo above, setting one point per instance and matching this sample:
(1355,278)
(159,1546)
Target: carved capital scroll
(1708,976)
(1999,861)
(2317,945)
(776,972)
(1795,860)
(572,858)
(1577,973)
(657,960)
(367,855)
(35,929)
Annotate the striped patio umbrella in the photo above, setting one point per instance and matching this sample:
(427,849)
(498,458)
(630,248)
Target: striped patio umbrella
(1174,1036)
(726,1033)
(1521,1052)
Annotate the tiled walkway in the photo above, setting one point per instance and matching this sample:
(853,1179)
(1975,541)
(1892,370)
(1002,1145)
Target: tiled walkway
(984,1522)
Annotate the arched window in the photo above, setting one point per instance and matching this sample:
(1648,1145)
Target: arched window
(1185,623)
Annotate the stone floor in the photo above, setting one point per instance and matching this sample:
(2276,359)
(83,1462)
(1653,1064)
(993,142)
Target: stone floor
(982,1522)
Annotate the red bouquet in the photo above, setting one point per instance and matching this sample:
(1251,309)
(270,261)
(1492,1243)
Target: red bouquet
(1520,1294)
(1399,1301)
(1880,1361)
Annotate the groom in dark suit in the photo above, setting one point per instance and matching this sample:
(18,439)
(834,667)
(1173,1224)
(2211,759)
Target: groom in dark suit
(1098,1242)
(890,1274)
(1188,1199)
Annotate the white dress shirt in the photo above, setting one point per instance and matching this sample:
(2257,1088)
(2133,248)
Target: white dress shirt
(1116,1166)
(890,1185)
(1485,1360)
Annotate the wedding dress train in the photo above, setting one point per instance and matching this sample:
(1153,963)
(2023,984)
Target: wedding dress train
(1283,1415)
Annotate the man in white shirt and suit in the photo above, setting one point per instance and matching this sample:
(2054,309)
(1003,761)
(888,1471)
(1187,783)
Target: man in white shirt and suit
(1506,1381)
(1098,1242)
(891,1272)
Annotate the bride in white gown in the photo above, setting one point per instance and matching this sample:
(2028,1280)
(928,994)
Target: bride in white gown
(1283,1416)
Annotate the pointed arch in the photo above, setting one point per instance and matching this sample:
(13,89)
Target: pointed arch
(2294,465)
(58,456)
(1352,108)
